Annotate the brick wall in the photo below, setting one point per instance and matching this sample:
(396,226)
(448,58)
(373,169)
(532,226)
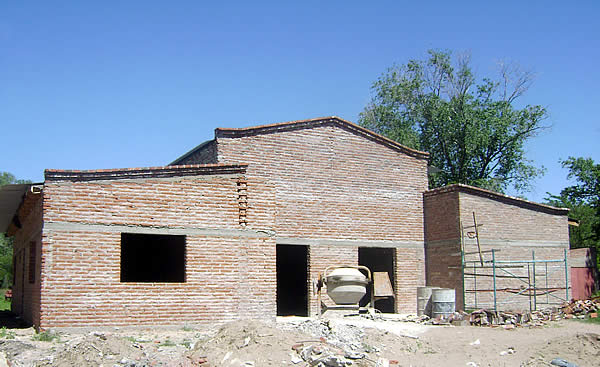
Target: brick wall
(230,268)
(334,182)
(205,153)
(500,220)
(226,279)
(442,238)
(26,295)
(516,229)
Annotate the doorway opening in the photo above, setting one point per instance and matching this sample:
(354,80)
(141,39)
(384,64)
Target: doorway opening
(379,259)
(292,280)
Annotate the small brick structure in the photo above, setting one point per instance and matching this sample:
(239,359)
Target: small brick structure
(519,231)
(243,224)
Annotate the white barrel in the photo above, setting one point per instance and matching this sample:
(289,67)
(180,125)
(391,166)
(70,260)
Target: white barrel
(443,302)
(424,300)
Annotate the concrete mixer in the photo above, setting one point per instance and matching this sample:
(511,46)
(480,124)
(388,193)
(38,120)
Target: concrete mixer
(346,286)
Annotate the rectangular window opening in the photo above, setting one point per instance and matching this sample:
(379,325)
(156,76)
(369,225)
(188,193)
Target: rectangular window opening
(152,258)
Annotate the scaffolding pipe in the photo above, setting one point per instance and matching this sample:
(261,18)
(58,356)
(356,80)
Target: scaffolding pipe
(494,269)
(529,285)
(528,261)
(475,283)
(566,277)
(462,259)
(534,286)
(546,278)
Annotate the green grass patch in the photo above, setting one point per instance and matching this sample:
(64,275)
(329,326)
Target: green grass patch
(590,320)
(6,334)
(168,343)
(45,336)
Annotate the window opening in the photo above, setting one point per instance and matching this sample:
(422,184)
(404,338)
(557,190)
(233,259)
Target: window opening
(152,258)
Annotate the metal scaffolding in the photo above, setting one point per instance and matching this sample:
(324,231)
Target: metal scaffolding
(508,281)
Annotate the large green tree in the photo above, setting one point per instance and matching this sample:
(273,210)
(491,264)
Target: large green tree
(472,128)
(583,199)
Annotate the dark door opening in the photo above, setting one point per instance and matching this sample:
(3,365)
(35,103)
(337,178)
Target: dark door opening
(378,259)
(292,280)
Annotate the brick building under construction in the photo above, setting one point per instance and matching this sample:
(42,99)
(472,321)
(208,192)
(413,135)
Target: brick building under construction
(242,225)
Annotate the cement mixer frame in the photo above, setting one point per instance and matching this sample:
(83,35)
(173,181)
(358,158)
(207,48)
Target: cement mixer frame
(322,280)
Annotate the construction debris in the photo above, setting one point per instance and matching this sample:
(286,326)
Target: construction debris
(581,308)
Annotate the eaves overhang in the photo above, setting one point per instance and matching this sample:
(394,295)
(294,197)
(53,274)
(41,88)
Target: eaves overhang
(11,197)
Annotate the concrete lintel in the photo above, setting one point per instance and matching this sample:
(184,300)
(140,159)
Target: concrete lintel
(344,242)
(216,232)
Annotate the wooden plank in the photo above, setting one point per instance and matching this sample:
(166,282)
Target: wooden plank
(382,285)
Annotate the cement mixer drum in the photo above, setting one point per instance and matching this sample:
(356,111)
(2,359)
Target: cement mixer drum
(346,286)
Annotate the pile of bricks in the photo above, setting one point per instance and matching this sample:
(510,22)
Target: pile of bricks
(512,319)
(582,308)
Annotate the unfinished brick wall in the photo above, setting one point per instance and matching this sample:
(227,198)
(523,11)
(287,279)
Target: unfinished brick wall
(226,279)
(205,153)
(26,294)
(229,268)
(514,228)
(333,181)
(442,239)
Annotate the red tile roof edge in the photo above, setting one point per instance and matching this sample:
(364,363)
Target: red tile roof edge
(497,196)
(289,125)
(144,172)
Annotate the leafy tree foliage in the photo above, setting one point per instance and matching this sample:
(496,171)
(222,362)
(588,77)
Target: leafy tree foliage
(6,247)
(583,199)
(7,178)
(472,130)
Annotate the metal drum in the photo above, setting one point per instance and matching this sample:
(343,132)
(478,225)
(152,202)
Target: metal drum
(443,302)
(424,300)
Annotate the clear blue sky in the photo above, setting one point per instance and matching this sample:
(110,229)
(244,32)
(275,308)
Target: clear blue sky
(107,84)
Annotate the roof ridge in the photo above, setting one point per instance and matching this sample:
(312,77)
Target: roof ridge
(282,126)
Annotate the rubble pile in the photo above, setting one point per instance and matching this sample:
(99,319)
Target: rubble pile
(511,319)
(338,344)
(581,308)
(324,355)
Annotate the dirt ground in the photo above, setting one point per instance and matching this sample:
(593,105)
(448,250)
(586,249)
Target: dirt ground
(352,341)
